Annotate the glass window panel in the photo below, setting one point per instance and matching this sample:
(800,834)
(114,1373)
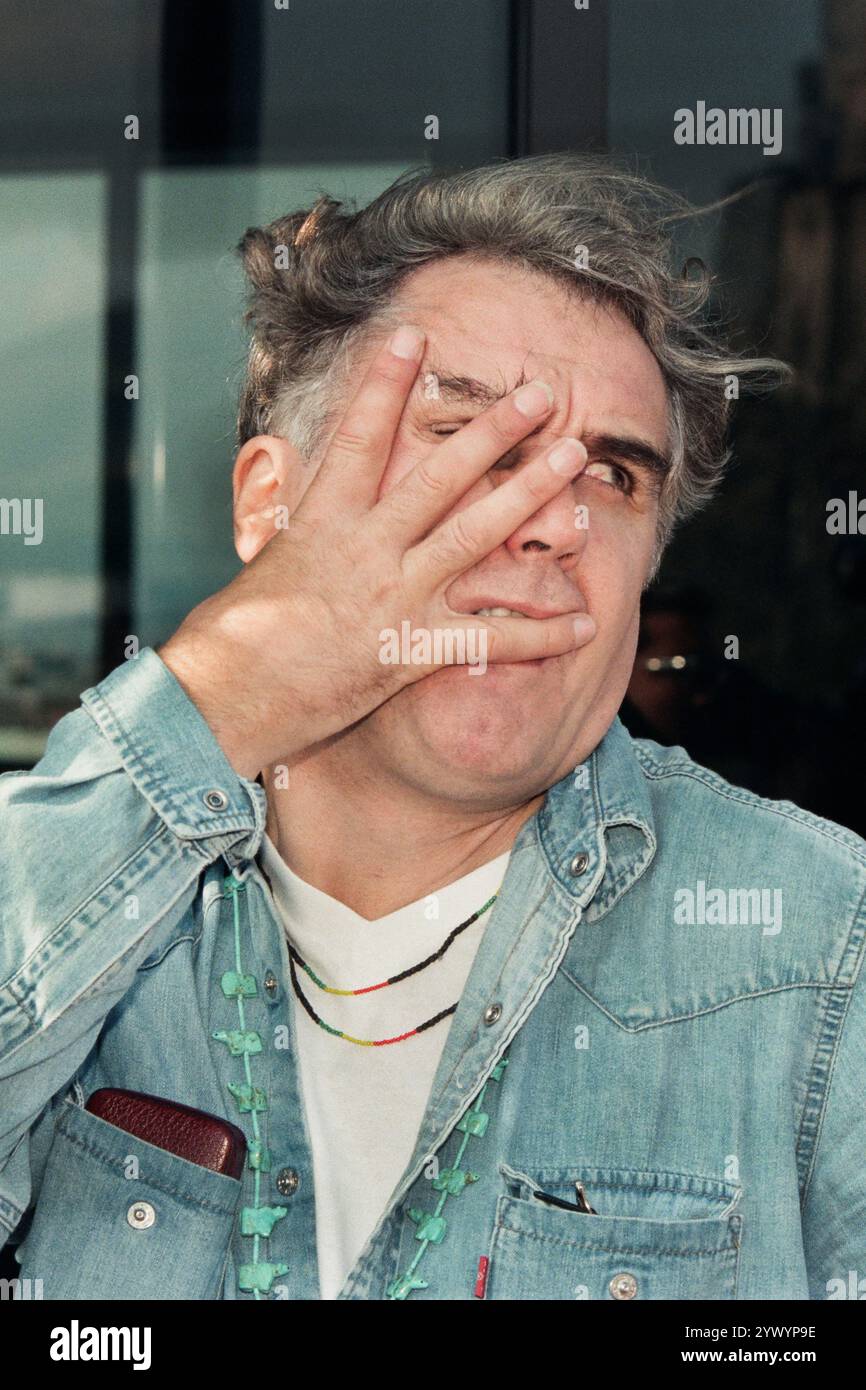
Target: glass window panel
(52,302)
(192,352)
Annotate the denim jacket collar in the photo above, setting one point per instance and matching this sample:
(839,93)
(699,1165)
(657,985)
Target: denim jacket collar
(601,809)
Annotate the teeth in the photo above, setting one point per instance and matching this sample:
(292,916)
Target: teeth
(498,613)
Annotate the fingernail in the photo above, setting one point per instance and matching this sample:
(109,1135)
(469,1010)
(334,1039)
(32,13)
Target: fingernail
(584,626)
(407,342)
(535,398)
(567,456)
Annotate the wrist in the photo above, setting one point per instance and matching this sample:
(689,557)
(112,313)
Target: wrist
(205,677)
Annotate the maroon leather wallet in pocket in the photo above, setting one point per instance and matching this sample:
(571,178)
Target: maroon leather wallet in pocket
(192,1134)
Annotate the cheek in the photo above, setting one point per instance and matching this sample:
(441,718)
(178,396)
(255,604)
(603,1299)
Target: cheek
(613,572)
(634,628)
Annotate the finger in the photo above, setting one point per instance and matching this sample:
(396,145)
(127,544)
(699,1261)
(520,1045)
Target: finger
(438,481)
(480,642)
(469,535)
(352,469)
(523,639)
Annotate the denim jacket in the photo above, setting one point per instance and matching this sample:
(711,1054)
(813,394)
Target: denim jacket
(667,1007)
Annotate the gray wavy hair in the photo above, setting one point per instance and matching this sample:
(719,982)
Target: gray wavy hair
(320,278)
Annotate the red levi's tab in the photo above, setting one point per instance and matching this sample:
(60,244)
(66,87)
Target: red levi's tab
(481,1277)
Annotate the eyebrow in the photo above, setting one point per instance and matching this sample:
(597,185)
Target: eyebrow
(625,448)
(469,388)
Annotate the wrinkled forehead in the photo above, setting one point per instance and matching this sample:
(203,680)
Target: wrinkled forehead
(491,325)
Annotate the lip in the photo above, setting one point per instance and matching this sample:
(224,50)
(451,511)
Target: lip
(529,610)
(498,669)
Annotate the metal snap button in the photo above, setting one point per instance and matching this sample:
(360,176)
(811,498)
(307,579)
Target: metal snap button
(492,1014)
(141,1215)
(579,864)
(271,983)
(288,1180)
(623,1286)
(215,800)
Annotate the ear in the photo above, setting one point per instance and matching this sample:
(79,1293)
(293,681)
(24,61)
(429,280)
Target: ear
(266,476)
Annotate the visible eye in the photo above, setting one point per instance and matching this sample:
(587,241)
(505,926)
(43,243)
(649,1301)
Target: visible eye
(612,473)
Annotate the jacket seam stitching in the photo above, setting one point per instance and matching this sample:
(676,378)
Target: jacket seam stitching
(94,986)
(12,1209)
(178,941)
(616,1249)
(151,782)
(701,1013)
(82,907)
(815,1104)
(656,772)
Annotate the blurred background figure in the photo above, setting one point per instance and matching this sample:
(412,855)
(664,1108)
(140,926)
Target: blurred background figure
(688,688)
(669,682)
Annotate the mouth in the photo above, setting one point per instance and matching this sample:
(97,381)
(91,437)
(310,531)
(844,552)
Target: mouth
(532,611)
(490,606)
(524,610)
(499,613)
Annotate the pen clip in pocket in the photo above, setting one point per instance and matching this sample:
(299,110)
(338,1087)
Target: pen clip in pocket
(581,1205)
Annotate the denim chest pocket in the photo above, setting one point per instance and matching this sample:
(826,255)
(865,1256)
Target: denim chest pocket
(119,1218)
(654,1236)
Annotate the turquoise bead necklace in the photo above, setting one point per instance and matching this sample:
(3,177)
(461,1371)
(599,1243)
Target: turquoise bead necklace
(451,1182)
(257,1277)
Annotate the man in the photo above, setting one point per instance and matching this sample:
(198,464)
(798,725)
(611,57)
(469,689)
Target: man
(507,1004)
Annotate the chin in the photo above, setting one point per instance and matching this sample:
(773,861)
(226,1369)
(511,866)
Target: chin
(500,726)
(500,737)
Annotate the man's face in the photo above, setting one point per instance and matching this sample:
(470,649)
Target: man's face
(502,736)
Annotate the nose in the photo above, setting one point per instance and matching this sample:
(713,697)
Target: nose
(557,528)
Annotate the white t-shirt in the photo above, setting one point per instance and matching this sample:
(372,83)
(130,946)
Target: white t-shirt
(364,1105)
